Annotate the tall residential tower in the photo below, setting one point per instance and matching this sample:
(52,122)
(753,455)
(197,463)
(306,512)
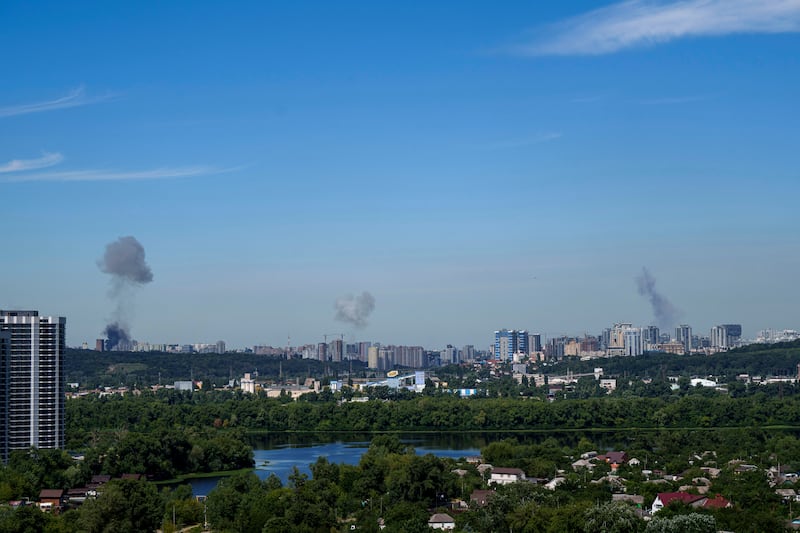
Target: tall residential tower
(33,385)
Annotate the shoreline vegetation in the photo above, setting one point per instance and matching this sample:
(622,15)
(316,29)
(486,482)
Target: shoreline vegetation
(182,478)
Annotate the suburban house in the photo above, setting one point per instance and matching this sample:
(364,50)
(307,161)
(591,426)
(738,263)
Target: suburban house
(441,521)
(480,496)
(619,458)
(504,476)
(663,499)
(51,500)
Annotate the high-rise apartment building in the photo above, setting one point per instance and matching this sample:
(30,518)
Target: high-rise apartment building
(651,336)
(633,344)
(534,342)
(34,382)
(508,342)
(683,335)
(725,336)
(5,351)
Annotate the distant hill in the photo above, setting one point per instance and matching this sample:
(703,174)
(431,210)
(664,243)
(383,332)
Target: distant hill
(779,359)
(91,369)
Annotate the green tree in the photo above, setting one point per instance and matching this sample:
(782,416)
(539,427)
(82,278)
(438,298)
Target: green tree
(613,517)
(124,505)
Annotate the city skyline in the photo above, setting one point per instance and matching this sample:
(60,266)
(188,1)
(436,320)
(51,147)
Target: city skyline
(466,166)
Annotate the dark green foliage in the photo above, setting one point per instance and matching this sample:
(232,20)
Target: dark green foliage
(124,505)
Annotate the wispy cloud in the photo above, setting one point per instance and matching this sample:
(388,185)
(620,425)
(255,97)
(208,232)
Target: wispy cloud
(75,98)
(131,175)
(641,23)
(526,141)
(672,100)
(21,165)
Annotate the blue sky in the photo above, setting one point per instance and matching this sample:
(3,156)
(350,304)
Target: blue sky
(473,166)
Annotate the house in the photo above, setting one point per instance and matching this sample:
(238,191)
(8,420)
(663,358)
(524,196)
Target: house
(51,500)
(504,476)
(583,463)
(555,482)
(663,499)
(787,495)
(717,502)
(77,496)
(619,458)
(480,497)
(441,521)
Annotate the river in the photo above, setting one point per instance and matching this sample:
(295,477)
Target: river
(279,454)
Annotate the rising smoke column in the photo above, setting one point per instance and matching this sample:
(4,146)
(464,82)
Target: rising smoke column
(665,313)
(354,309)
(124,261)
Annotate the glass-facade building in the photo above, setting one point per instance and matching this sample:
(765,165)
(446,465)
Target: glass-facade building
(508,342)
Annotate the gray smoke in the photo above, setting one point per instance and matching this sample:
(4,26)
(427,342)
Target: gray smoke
(124,261)
(665,313)
(354,309)
(116,334)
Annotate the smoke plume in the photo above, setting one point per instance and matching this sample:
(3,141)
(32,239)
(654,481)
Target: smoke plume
(354,309)
(116,334)
(665,313)
(124,262)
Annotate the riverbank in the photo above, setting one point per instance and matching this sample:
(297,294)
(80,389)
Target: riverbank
(188,478)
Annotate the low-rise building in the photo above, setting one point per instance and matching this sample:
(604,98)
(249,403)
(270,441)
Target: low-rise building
(441,521)
(504,476)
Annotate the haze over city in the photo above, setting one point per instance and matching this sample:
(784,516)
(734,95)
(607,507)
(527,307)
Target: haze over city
(417,174)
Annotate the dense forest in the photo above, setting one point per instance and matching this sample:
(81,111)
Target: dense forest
(92,369)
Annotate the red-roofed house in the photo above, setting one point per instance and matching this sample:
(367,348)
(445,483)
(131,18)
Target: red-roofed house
(717,502)
(51,500)
(663,499)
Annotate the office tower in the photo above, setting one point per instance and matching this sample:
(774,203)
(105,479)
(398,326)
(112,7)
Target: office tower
(35,380)
(683,335)
(508,342)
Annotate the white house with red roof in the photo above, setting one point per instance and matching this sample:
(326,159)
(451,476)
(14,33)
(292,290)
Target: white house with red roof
(663,499)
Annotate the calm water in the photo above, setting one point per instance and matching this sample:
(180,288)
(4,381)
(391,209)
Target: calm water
(281,453)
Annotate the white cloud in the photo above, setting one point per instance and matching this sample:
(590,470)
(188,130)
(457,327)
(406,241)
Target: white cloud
(130,175)
(21,165)
(75,98)
(642,23)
